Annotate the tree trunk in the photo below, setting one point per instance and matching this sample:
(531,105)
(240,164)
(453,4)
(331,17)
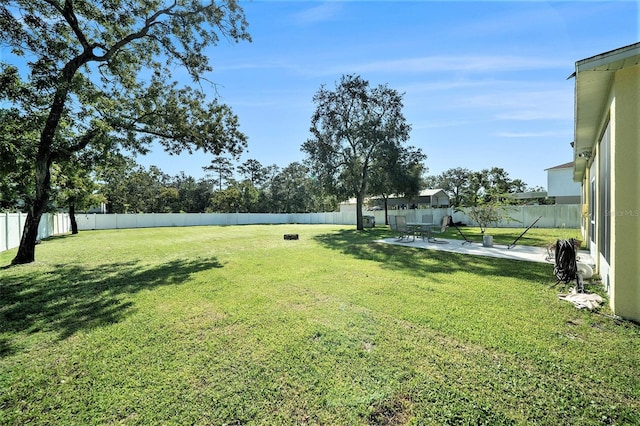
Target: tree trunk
(359,221)
(44,158)
(27,250)
(386,210)
(72,218)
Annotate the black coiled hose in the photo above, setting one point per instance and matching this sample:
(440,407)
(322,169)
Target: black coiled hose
(566,268)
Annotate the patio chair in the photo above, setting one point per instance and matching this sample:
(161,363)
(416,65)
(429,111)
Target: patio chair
(439,230)
(392,222)
(403,229)
(427,220)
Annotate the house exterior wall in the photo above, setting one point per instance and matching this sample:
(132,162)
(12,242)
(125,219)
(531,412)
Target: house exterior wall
(560,183)
(625,212)
(621,273)
(427,199)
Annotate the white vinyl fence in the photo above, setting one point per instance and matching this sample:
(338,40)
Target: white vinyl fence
(12,225)
(553,216)
(150,220)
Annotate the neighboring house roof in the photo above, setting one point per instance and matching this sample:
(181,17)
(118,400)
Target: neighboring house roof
(568,165)
(594,77)
(431,192)
(527,195)
(423,193)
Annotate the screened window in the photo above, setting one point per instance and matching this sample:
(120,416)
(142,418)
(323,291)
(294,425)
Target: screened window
(605,195)
(592,209)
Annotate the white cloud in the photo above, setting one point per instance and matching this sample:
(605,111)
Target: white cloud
(471,64)
(522,103)
(544,134)
(442,85)
(461,65)
(439,124)
(536,114)
(320,13)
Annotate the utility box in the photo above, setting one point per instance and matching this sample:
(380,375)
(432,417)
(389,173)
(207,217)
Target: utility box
(368,221)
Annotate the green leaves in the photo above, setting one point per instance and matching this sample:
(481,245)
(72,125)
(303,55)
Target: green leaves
(104,68)
(97,55)
(350,127)
(471,188)
(353,128)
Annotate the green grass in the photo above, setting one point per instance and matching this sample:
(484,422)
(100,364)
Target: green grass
(235,325)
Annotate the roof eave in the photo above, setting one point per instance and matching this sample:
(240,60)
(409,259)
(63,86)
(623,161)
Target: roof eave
(594,79)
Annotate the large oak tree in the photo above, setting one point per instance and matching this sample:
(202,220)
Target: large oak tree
(105,67)
(352,128)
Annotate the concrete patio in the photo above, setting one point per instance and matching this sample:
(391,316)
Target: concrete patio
(524,253)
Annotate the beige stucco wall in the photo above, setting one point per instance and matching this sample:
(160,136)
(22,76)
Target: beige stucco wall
(625,202)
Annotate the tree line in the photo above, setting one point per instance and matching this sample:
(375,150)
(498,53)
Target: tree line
(247,188)
(468,188)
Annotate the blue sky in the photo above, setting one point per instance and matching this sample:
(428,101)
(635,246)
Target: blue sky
(485,83)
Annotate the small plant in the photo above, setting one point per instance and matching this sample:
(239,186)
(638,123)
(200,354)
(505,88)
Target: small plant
(488,213)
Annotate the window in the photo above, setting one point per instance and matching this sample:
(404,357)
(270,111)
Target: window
(604,237)
(592,209)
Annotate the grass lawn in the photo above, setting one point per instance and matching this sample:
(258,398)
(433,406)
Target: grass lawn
(235,325)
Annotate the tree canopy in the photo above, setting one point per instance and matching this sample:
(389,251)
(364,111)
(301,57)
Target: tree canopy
(471,188)
(352,128)
(400,172)
(100,73)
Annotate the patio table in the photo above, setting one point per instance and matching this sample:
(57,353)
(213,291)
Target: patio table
(421,227)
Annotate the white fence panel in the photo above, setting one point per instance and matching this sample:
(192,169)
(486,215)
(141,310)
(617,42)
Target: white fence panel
(4,231)
(61,224)
(105,221)
(12,226)
(86,221)
(96,221)
(553,216)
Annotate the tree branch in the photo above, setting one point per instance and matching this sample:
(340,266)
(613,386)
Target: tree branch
(82,143)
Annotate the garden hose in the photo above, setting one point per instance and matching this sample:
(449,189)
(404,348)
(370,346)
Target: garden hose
(566,269)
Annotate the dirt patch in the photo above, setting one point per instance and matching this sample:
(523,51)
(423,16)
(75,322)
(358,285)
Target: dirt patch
(394,411)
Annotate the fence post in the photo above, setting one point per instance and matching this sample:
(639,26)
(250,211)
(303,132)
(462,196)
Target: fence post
(20,226)
(6,234)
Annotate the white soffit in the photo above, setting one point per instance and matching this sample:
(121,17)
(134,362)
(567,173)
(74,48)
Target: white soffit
(594,77)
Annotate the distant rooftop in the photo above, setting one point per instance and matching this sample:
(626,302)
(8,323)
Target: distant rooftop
(562,166)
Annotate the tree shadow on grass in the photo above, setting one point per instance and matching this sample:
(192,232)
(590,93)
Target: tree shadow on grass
(69,298)
(424,262)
